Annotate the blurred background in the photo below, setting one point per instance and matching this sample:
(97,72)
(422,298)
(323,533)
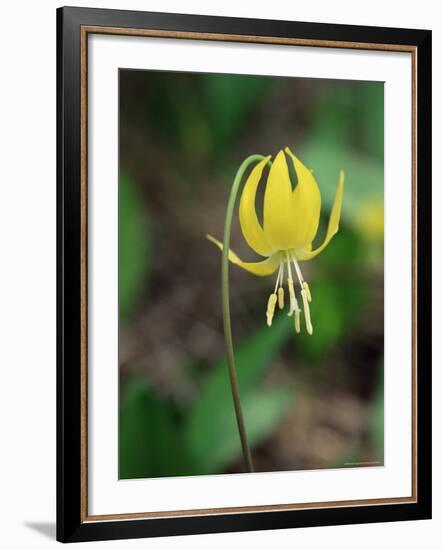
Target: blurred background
(309,401)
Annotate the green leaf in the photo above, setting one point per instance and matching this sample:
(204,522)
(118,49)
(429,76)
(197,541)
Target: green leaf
(211,423)
(134,246)
(151,442)
(220,446)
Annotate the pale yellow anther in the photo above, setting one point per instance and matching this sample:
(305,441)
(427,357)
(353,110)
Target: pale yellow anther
(297,321)
(271,308)
(281,298)
(307,312)
(308,292)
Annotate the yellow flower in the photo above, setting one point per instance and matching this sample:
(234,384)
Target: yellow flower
(290,223)
(370,220)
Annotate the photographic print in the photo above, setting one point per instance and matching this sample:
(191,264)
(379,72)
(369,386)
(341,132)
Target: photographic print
(271,360)
(244,274)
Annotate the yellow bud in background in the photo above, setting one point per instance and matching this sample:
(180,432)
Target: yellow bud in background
(370,220)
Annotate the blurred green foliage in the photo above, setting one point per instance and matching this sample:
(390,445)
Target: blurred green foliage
(230,99)
(182,136)
(134,246)
(156,440)
(348,133)
(212,429)
(151,442)
(334,308)
(363,176)
(354,454)
(351,117)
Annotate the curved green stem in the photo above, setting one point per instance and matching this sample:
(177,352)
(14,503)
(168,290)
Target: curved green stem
(226,310)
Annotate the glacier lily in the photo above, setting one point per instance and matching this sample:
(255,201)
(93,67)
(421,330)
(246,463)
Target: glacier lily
(290,223)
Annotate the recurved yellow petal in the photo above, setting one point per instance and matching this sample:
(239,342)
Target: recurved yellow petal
(251,228)
(265,267)
(307,202)
(279,222)
(334,219)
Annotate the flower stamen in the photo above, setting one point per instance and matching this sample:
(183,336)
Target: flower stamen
(297,320)
(279,278)
(305,294)
(307,312)
(308,292)
(293,305)
(299,273)
(278,287)
(281,298)
(271,308)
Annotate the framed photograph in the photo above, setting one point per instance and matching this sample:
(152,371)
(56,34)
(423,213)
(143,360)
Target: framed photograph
(244,274)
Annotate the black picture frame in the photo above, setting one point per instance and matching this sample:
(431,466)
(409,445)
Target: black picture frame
(71,522)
